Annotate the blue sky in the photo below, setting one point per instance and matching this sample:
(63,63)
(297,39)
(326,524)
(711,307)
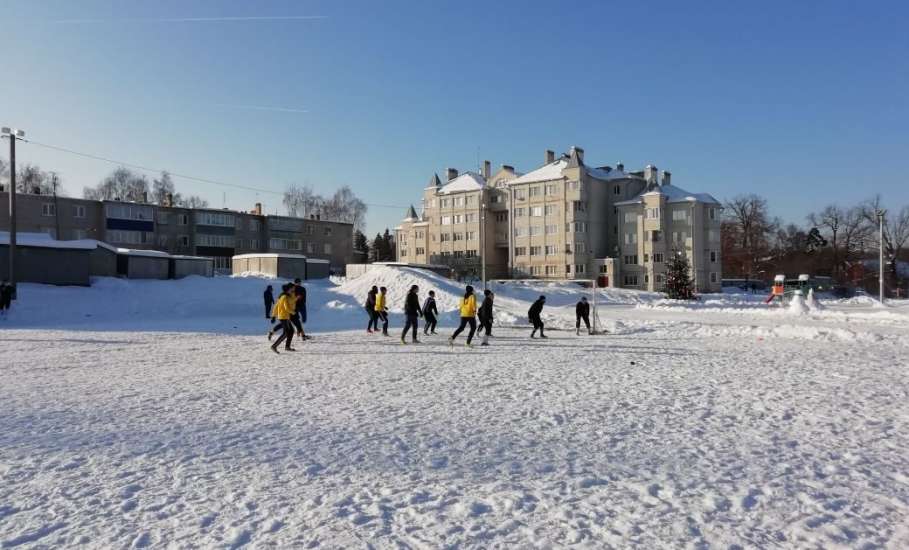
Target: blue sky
(805,103)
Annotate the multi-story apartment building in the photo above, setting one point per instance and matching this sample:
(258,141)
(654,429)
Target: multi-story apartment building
(219,234)
(564,220)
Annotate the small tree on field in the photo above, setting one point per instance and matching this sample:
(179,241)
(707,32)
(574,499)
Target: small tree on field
(678,279)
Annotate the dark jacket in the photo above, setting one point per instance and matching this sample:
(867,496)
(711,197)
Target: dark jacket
(300,295)
(429,307)
(412,304)
(485,313)
(370,300)
(582,309)
(535,309)
(269,298)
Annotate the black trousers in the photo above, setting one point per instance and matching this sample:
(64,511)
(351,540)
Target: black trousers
(537,324)
(486,325)
(373,319)
(268,307)
(383,316)
(464,322)
(411,323)
(430,324)
(287,334)
(585,318)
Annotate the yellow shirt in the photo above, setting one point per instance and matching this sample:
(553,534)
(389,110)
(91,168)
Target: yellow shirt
(284,308)
(380,302)
(469,306)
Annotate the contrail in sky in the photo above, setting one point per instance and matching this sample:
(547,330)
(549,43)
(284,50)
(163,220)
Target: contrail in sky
(186,19)
(262,108)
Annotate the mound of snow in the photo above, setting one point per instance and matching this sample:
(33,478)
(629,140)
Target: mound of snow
(398,281)
(797,305)
(812,302)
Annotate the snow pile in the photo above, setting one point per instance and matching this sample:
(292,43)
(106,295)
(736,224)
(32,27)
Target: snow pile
(398,281)
(813,304)
(797,305)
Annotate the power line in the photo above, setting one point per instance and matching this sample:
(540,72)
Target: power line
(174,174)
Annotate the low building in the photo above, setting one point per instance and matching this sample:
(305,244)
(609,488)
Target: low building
(282,266)
(39,257)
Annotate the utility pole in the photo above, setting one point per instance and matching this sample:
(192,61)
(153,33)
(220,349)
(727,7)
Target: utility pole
(12,135)
(880,261)
(56,207)
(483,242)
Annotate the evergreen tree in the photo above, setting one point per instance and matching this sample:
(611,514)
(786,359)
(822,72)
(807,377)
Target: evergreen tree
(678,278)
(359,241)
(389,246)
(375,251)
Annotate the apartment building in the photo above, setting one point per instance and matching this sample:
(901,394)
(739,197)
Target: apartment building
(563,220)
(219,234)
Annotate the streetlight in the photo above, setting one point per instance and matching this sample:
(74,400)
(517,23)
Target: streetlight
(13,135)
(880,262)
(483,242)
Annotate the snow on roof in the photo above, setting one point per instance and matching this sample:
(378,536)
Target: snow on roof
(182,257)
(316,261)
(604,173)
(267,255)
(551,171)
(145,253)
(672,194)
(468,181)
(43,240)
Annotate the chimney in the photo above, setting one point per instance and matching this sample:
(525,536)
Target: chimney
(145,197)
(169,199)
(318,217)
(36,190)
(452,173)
(620,167)
(487,169)
(550,156)
(579,151)
(650,173)
(508,168)
(667,177)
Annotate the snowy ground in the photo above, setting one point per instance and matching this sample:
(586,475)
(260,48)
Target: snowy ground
(153,414)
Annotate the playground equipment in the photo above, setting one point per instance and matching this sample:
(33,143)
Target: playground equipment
(783,292)
(778,289)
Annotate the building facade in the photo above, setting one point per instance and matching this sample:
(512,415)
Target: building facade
(564,220)
(218,234)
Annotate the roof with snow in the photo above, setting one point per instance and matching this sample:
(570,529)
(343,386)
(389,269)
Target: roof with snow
(548,172)
(672,194)
(468,181)
(43,240)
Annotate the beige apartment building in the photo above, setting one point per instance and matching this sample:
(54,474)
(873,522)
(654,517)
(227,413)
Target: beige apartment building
(563,220)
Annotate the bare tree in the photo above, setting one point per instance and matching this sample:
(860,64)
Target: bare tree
(31,179)
(830,222)
(301,201)
(896,230)
(751,231)
(192,201)
(162,187)
(122,184)
(346,207)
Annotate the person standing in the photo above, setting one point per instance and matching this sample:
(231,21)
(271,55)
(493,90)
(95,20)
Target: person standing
(6,298)
(412,312)
(582,313)
(485,316)
(430,313)
(382,311)
(534,315)
(300,291)
(370,306)
(468,310)
(283,311)
(269,301)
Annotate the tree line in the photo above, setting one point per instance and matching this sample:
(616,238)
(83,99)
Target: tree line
(31,179)
(125,185)
(833,241)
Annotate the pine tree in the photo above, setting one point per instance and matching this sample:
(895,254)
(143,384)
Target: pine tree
(359,241)
(678,279)
(375,251)
(389,246)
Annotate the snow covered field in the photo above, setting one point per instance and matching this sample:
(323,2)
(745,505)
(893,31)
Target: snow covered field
(152,414)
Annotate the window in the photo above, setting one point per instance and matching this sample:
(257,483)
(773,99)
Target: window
(713,256)
(254,224)
(457,201)
(79,211)
(221,262)
(535,251)
(551,250)
(310,248)
(456,219)
(519,194)
(579,227)
(679,215)
(535,230)
(183,219)
(567,248)
(214,218)
(444,203)
(48,209)
(679,237)
(130,237)
(631,238)
(646,278)
(646,258)
(285,244)
(631,259)
(519,212)
(402,253)
(654,235)
(631,280)
(470,218)
(580,248)
(536,211)
(162,240)
(713,213)
(617,190)
(222,241)
(652,213)
(659,278)
(713,235)
(520,251)
(604,269)
(551,270)
(549,209)
(129,212)
(457,236)
(471,235)
(714,277)
(470,200)
(446,220)
(534,191)
(502,216)
(552,229)
(254,244)
(420,251)
(551,189)
(496,199)
(470,253)
(579,206)
(657,257)
(536,270)
(326,248)
(631,217)
(444,237)
(520,231)
(580,268)
(574,186)
(326,231)
(183,240)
